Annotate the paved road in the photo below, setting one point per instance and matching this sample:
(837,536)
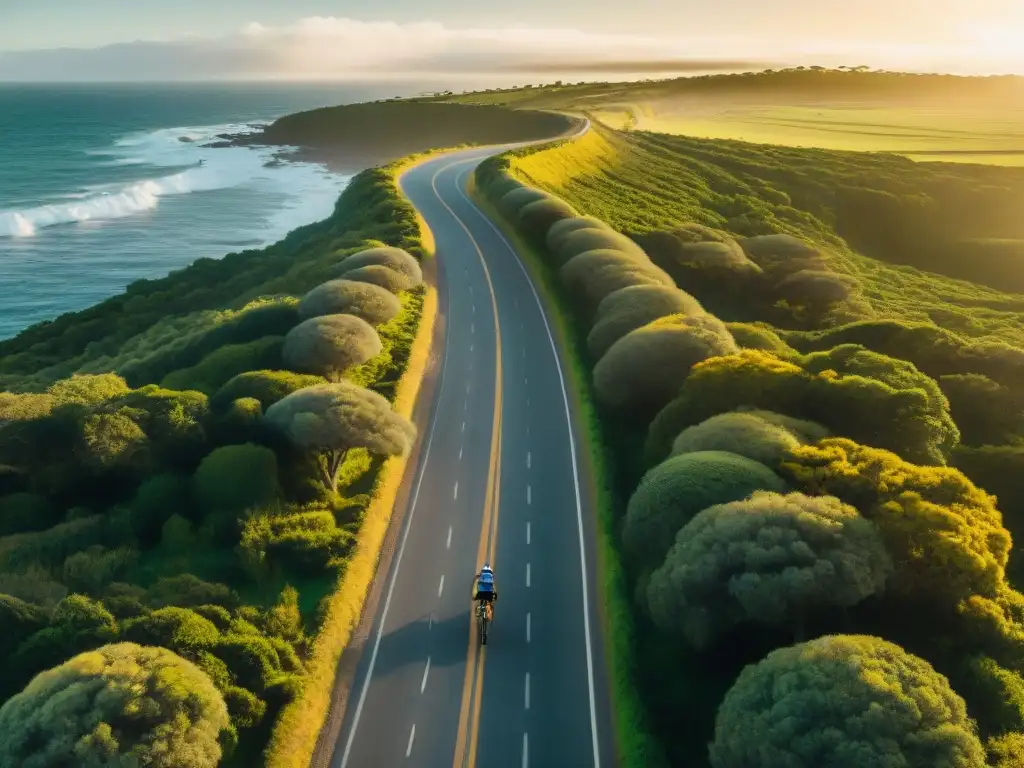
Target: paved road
(496,480)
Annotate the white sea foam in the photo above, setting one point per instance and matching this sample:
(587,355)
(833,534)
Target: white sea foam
(309,190)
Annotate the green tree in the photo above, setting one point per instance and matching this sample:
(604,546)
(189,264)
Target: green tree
(843,701)
(645,369)
(366,301)
(381,276)
(234,478)
(763,436)
(628,309)
(265,386)
(182,630)
(669,496)
(393,258)
(118,705)
(330,345)
(331,419)
(945,535)
(769,559)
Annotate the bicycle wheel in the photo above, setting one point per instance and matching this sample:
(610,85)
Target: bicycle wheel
(482,627)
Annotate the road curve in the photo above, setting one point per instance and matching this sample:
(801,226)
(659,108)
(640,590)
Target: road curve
(496,478)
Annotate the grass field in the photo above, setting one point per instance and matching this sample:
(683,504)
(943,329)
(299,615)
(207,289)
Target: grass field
(924,119)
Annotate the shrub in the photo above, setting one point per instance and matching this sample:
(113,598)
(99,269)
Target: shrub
(330,345)
(251,658)
(331,419)
(536,218)
(379,275)
(366,301)
(306,542)
(393,258)
(769,559)
(266,386)
(245,708)
(92,569)
(593,275)
(987,412)
(180,629)
(757,336)
(591,239)
(562,229)
(118,705)
(630,308)
(762,436)
(159,497)
(669,496)
(1006,751)
(782,254)
(234,478)
(87,389)
(944,534)
(999,469)
(868,410)
(994,695)
(220,366)
(815,289)
(515,200)
(25,512)
(19,620)
(645,368)
(189,590)
(843,701)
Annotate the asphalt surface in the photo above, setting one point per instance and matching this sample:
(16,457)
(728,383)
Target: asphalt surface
(496,479)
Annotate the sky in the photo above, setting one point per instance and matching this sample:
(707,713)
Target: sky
(302,39)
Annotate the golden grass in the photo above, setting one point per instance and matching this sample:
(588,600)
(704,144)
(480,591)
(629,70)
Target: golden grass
(295,734)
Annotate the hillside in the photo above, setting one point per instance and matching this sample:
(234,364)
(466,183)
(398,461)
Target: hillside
(809,452)
(357,136)
(926,117)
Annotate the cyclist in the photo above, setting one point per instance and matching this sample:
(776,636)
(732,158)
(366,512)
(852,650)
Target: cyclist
(485,588)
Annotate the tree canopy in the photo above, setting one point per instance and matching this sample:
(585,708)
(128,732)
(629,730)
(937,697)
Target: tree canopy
(330,345)
(843,701)
(121,704)
(768,560)
(366,301)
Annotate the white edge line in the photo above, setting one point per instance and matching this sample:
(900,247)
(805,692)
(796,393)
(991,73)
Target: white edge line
(426,671)
(397,566)
(575,471)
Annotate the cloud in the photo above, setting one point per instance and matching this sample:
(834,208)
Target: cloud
(330,47)
(322,47)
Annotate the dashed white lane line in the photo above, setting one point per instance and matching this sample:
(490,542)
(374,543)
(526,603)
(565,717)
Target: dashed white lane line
(527,575)
(527,533)
(529,459)
(473,308)
(412,737)
(526,751)
(440,587)
(426,671)
(525,381)
(470,347)
(472,327)
(463,426)
(448,544)
(455,493)
(460,452)
(526,694)
(529,494)
(528,627)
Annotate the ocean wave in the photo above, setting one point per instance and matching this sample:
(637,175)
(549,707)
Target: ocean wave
(206,169)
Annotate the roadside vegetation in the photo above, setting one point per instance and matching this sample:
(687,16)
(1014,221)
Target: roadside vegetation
(812,446)
(185,474)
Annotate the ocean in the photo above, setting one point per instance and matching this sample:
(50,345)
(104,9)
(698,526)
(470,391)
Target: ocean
(103,185)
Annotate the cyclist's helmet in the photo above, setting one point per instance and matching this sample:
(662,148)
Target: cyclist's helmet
(486,569)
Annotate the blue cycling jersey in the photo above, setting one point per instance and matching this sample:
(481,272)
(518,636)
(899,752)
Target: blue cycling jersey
(486,582)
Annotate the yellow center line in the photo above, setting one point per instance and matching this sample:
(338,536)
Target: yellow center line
(472,686)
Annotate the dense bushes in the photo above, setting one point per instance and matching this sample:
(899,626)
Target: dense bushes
(843,701)
(330,345)
(394,259)
(122,704)
(673,492)
(768,560)
(644,369)
(878,536)
(368,302)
